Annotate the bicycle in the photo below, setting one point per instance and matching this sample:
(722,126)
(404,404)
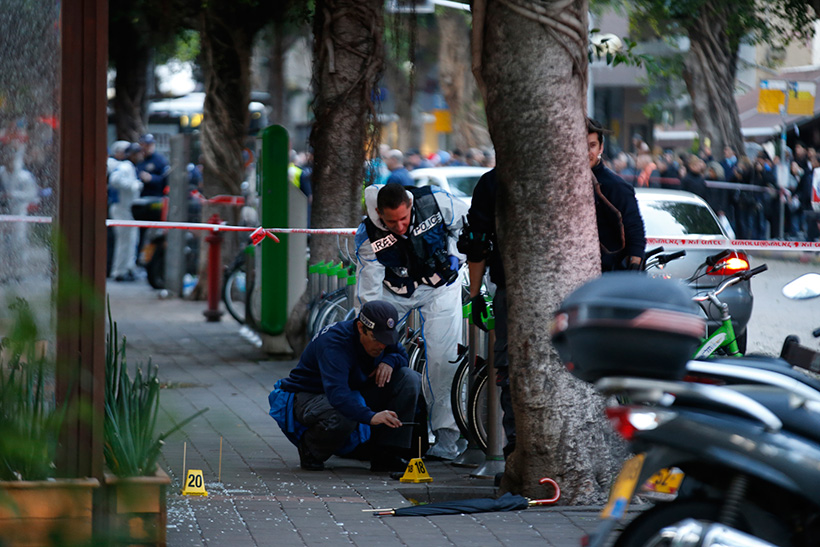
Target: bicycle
(237,285)
(723,340)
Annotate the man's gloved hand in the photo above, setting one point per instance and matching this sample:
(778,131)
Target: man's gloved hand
(478,310)
(453,266)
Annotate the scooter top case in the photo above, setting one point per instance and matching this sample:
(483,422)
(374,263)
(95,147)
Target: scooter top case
(628,324)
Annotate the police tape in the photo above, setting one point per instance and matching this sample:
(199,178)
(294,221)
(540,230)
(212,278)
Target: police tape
(25,218)
(260,233)
(738,244)
(225,227)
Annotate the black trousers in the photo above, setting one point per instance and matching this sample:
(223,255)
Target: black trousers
(501,367)
(328,429)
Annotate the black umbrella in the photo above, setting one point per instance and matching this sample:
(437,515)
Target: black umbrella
(507,502)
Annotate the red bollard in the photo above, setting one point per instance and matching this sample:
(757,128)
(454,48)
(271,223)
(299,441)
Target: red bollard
(214,240)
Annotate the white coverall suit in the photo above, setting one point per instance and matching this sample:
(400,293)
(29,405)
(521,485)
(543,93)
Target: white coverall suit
(21,191)
(124,180)
(440,311)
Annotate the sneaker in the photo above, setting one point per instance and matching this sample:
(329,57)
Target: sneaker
(307,461)
(128,277)
(447,445)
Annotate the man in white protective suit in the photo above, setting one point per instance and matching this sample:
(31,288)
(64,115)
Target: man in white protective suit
(407,255)
(127,186)
(20,190)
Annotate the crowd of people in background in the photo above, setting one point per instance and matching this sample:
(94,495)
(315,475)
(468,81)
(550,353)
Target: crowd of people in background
(751,209)
(751,204)
(393,165)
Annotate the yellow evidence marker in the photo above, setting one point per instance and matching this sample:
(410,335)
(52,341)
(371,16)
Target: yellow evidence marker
(194,484)
(416,472)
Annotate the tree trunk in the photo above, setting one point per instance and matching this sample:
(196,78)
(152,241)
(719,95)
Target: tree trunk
(457,82)
(226,53)
(130,55)
(226,44)
(709,72)
(535,77)
(348,58)
(276,76)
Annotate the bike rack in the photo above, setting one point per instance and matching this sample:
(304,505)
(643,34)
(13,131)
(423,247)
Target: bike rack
(473,456)
(494,460)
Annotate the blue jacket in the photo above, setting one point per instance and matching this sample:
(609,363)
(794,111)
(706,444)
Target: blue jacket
(157,166)
(335,363)
(401,176)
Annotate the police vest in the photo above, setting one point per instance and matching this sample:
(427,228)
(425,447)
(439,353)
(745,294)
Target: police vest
(411,260)
(295,175)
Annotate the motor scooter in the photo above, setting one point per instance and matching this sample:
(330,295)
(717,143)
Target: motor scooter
(153,240)
(745,432)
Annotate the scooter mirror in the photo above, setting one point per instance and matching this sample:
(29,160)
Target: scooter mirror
(804,287)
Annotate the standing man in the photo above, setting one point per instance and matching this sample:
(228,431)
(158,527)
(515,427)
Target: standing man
(20,190)
(352,373)
(124,183)
(398,173)
(479,242)
(153,169)
(407,254)
(620,226)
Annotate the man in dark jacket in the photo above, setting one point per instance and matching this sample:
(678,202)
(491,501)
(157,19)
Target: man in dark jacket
(479,242)
(153,170)
(352,373)
(620,225)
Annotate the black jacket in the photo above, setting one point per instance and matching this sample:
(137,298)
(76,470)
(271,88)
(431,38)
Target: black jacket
(482,219)
(619,237)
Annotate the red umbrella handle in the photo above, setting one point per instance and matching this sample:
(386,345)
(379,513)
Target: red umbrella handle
(547,501)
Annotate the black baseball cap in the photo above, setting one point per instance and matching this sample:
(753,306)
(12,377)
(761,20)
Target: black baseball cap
(380,317)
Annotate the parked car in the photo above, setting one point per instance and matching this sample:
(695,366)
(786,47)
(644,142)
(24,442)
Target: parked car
(678,214)
(458,181)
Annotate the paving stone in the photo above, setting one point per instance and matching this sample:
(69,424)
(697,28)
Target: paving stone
(264,498)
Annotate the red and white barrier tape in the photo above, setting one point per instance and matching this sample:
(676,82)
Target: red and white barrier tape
(25,218)
(740,244)
(257,234)
(225,227)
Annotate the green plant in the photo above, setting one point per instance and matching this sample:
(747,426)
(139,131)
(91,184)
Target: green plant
(132,446)
(30,418)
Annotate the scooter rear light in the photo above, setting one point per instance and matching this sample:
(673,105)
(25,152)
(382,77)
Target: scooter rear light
(629,420)
(732,264)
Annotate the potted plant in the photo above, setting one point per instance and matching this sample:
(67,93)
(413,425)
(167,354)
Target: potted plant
(35,508)
(135,485)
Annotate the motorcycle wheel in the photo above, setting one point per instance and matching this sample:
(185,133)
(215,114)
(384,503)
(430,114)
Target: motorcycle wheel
(645,530)
(155,269)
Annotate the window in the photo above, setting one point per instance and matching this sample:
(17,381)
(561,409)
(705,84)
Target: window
(675,219)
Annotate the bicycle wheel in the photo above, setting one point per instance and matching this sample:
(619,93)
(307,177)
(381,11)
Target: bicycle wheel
(418,362)
(335,310)
(234,292)
(479,413)
(460,395)
(477,408)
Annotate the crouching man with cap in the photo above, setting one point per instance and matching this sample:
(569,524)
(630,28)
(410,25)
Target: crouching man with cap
(352,381)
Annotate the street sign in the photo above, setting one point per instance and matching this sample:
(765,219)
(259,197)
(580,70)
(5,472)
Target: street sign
(773,96)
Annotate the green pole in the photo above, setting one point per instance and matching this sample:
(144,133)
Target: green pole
(272,181)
